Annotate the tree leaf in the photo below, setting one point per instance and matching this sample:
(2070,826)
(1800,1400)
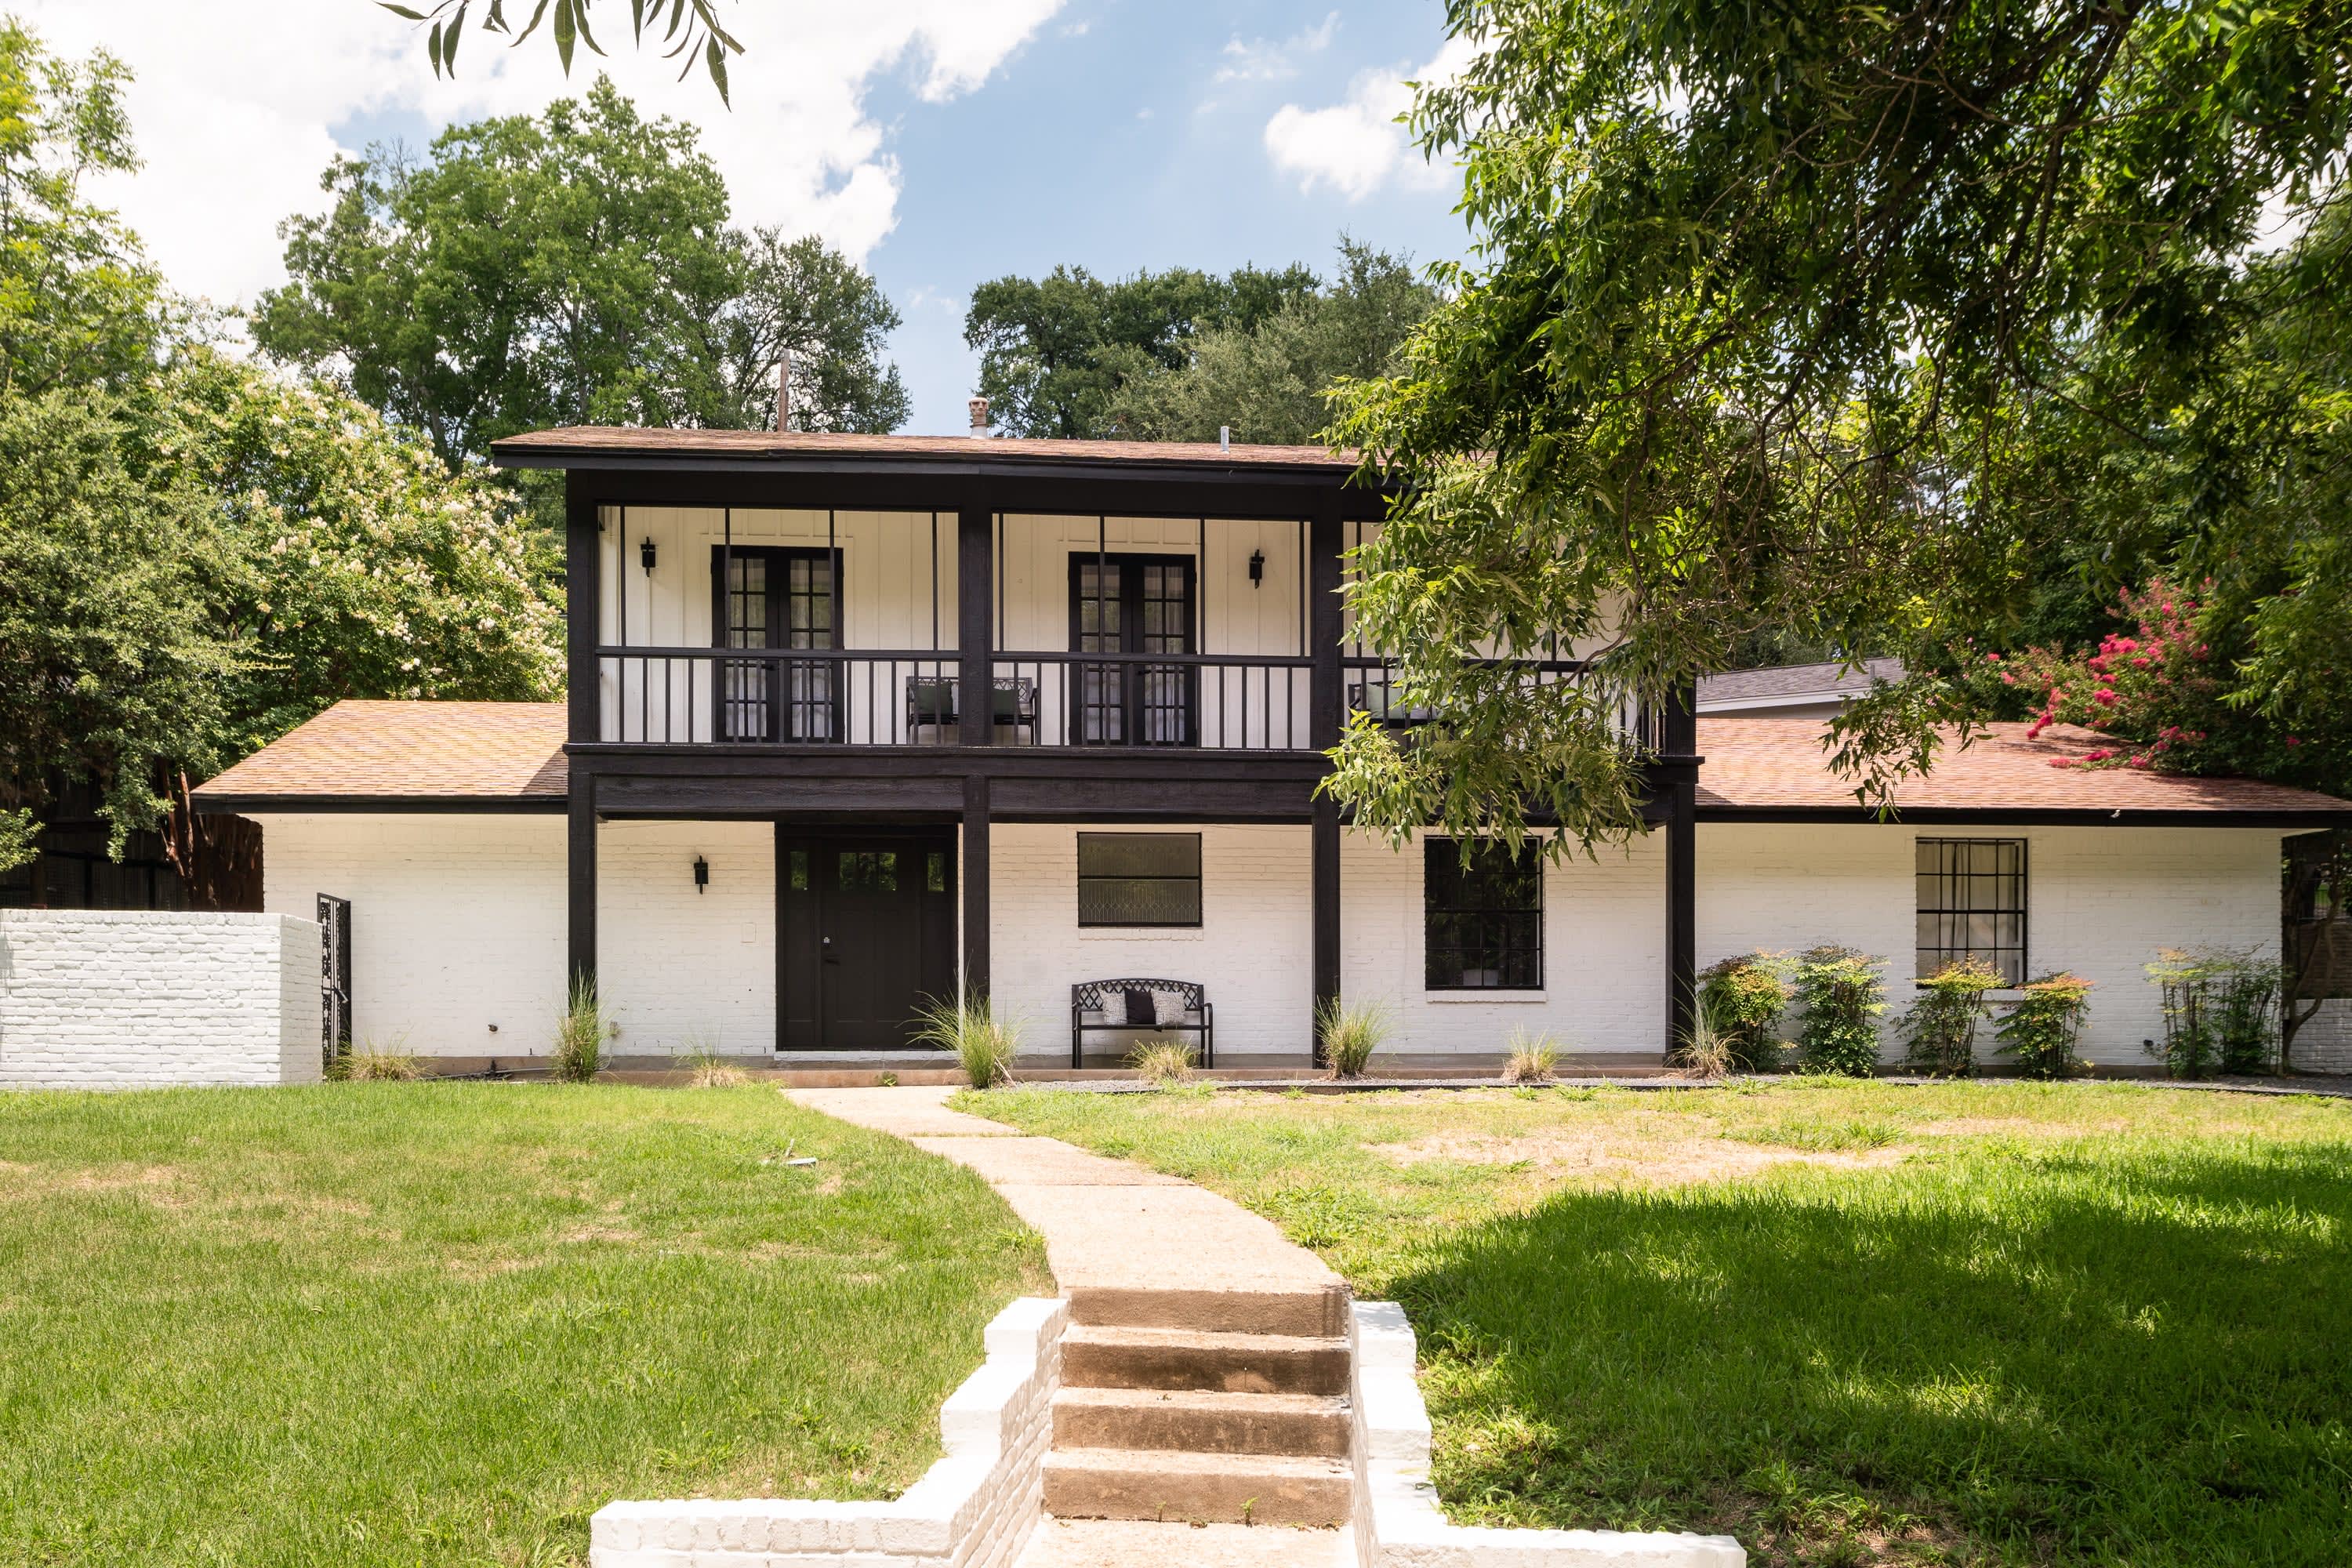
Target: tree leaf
(536,17)
(449,40)
(564,33)
(637,19)
(718,58)
(401,11)
(433,48)
(580,20)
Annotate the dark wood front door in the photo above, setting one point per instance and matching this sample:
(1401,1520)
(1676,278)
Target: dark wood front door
(866,928)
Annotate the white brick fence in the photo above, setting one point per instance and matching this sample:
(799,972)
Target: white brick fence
(131,999)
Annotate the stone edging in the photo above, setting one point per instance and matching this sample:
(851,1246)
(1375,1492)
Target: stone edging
(974,1509)
(1398,1522)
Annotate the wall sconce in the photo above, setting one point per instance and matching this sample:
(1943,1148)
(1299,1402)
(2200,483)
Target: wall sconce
(701,873)
(646,554)
(1257,568)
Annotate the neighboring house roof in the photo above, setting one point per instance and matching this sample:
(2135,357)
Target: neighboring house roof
(591,446)
(1765,768)
(509,756)
(406,756)
(1786,685)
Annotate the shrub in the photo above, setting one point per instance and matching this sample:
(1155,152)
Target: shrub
(1841,997)
(1163,1062)
(1705,1050)
(580,1034)
(1529,1059)
(984,1043)
(2221,1010)
(1742,999)
(1940,1025)
(1350,1033)
(2044,1023)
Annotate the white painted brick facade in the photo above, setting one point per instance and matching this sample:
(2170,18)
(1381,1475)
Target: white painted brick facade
(136,999)
(458,922)
(2324,1044)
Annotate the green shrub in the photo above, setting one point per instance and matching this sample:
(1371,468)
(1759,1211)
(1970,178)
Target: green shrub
(984,1043)
(2044,1023)
(1742,999)
(580,1034)
(2221,1010)
(1842,997)
(1350,1033)
(1939,1027)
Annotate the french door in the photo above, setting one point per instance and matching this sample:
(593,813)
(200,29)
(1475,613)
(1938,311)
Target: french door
(1133,604)
(771,598)
(867,926)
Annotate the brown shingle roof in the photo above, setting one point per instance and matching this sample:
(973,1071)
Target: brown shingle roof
(587,442)
(1775,764)
(505,756)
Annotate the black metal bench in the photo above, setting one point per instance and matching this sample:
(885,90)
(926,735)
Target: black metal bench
(1091,996)
(932,703)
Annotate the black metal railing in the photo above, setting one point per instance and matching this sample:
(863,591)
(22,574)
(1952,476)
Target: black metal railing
(788,696)
(1225,702)
(1369,684)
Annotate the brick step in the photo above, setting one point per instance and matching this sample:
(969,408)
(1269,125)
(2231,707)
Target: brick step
(1097,1357)
(1202,1422)
(1217,1488)
(1310,1312)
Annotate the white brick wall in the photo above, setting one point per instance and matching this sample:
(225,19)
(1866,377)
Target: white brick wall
(684,972)
(2324,1044)
(122,999)
(2099,901)
(457,923)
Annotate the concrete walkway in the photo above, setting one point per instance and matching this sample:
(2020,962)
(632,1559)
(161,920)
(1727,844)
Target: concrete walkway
(1108,1226)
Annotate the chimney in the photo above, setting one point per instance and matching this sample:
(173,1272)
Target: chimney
(979,406)
(784,390)
(1224,437)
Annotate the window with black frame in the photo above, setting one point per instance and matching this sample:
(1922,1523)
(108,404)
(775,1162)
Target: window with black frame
(1971,904)
(1139,879)
(1481,917)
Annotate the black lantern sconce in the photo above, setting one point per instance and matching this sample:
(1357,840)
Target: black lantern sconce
(646,554)
(1257,568)
(701,873)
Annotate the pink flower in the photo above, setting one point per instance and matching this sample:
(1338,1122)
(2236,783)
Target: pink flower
(2098,754)
(2139,761)
(2007,679)
(2105,697)
(1992,658)
(2293,740)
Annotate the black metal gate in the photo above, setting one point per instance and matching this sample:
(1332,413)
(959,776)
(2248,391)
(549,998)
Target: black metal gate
(334,980)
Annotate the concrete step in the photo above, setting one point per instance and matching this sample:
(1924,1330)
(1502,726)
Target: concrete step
(1321,1313)
(1200,1421)
(1227,1489)
(1142,1543)
(1098,1357)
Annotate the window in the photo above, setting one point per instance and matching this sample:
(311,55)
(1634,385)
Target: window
(1972,904)
(1482,922)
(1139,879)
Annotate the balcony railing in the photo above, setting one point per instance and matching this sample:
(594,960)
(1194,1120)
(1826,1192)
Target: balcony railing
(858,696)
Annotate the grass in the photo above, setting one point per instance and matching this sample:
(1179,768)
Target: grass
(436,1324)
(1992,1322)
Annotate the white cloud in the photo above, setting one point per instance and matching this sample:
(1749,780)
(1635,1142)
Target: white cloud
(1356,146)
(235,121)
(1264,59)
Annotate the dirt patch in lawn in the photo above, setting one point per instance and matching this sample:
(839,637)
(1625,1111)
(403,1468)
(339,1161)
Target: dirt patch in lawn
(1664,1161)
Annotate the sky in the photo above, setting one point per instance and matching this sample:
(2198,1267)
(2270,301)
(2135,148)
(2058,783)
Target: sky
(939,142)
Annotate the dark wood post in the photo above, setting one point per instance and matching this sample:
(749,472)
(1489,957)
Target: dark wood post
(1326,539)
(581,547)
(975,886)
(1678,747)
(975,572)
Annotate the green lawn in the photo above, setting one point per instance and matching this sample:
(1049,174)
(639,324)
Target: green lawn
(1849,1322)
(441,1324)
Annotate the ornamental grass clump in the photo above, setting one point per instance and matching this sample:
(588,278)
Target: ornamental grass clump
(983,1041)
(2044,1023)
(1529,1059)
(1704,1051)
(2221,1010)
(1164,1064)
(1742,999)
(580,1035)
(1939,1027)
(1350,1033)
(1841,997)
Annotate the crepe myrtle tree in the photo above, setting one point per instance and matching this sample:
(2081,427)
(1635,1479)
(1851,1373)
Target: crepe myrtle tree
(1768,314)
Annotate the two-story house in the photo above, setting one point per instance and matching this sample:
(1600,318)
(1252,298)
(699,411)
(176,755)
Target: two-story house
(854,722)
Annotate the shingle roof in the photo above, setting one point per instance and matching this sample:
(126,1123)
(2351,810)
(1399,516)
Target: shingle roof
(500,754)
(1764,765)
(1794,680)
(584,444)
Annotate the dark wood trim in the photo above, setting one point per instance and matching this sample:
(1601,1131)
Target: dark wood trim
(975,630)
(583,557)
(1678,726)
(580,856)
(1323,873)
(1125,492)
(975,886)
(1327,539)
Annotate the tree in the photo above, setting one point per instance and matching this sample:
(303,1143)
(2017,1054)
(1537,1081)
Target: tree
(1771,316)
(691,30)
(575,268)
(1056,352)
(1268,382)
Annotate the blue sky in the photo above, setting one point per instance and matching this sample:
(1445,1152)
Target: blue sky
(942,141)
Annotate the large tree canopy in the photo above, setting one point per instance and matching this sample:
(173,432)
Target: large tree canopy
(1807,320)
(572,268)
